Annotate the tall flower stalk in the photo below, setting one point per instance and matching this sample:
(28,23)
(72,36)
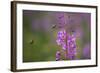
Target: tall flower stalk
(67,42)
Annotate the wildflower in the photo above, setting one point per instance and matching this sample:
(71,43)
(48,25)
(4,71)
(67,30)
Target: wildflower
(58,56)
(61,37)
(64,46)
(67,43)
(71,47)
(62,34)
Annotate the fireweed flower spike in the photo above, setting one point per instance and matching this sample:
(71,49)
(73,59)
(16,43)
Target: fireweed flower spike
(65,40)
(58,56)
(71,47)
(68,43)
(61,39)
